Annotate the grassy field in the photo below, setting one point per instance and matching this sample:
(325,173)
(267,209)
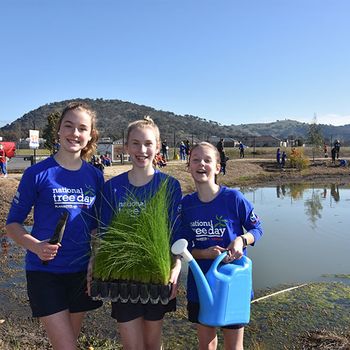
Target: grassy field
(27,151)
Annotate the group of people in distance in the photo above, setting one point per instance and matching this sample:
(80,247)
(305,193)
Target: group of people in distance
(100,162)
(281,158)
(184,150)
(59,274)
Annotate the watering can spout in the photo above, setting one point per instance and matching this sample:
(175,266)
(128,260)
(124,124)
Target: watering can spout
(204,291)
(180,248)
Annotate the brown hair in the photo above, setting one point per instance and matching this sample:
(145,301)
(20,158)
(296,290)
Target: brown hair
(91,146)
(146,122)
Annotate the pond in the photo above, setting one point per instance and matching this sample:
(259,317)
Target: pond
(306,234)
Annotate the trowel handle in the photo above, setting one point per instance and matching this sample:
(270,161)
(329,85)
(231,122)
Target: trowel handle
(217,261)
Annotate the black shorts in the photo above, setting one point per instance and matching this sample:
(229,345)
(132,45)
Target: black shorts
(124,312)
(50,293)
(193,312)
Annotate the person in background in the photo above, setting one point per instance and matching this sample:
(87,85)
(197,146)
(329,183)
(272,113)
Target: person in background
(182,151)
(223,161)
(140,325)
(325,150)
(337,148)
(99,163)
(239,227)
(283,159)
(278,157)
(220,146)
(188,148)
(107,160)
(241,150)
(165,150)
(333,154)
(159,161)
(61,184)
(3,161)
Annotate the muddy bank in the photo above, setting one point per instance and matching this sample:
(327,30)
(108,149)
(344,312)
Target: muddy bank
(304,318)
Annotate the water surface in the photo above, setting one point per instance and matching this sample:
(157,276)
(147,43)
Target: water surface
(306,234)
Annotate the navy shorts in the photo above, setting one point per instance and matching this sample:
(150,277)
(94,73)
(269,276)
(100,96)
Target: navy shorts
(124,312)
(193,312)
(50,293)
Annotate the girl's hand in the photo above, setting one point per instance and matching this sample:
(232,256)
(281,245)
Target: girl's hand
(46,251)
(208,253)
(214,251)
(174,277)
(234,250)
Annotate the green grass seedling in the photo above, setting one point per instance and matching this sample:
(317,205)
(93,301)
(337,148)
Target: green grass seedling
(137,248)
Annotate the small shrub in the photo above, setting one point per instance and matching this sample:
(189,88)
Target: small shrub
(298,160)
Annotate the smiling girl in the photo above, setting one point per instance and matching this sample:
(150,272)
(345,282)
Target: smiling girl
(140,325)
(64,183)
(213,221)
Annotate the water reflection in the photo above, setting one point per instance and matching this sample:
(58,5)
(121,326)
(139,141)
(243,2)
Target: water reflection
(335,192)
(313,208)
(314,202)
(296,191)
(305,233)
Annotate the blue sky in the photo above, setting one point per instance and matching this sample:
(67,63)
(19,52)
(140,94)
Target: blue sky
(231,61)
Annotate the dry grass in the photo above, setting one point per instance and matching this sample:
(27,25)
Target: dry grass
(249,171)
(326,340)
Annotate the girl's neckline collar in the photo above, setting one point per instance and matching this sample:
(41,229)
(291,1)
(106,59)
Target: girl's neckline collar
(65,168)
(214,197)
(156,171)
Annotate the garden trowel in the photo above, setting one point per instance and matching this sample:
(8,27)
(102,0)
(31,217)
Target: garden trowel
(59,231)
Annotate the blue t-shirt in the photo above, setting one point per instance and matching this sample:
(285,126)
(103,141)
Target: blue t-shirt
(52,189)
(117,191)
(217,222)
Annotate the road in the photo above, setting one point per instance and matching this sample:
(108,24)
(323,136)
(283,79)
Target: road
(20,163)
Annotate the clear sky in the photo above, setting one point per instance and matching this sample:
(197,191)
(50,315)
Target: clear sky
(231,61)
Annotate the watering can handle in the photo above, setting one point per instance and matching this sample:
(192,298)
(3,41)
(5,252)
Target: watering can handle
(217,261)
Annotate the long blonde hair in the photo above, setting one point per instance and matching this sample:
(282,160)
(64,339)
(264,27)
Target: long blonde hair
(146,122)
(91,146)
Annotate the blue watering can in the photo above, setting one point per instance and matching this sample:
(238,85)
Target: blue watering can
(225,290)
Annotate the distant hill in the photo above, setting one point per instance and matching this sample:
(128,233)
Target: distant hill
(114,116)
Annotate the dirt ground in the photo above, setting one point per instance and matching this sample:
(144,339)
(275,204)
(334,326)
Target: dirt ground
(19,331)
